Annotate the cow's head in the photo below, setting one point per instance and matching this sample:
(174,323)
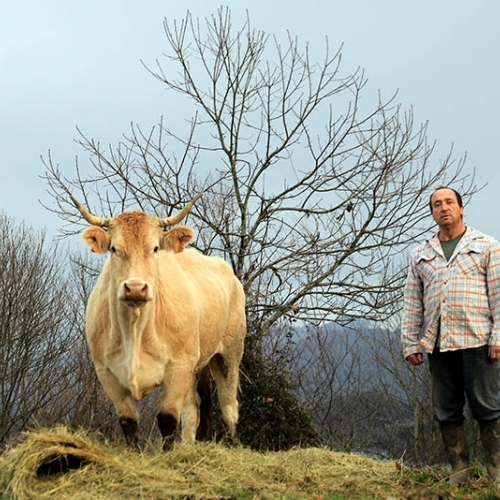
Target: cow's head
(134,240)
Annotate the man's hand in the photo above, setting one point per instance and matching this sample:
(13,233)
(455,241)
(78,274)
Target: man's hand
(418,358)
(494,352)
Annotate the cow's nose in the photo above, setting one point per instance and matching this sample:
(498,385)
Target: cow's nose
(135,290)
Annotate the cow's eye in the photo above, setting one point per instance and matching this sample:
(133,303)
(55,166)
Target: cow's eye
(113,249)
(155,250)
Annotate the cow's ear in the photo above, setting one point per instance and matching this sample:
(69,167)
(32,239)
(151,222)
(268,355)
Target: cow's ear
(96,238)
(177,238)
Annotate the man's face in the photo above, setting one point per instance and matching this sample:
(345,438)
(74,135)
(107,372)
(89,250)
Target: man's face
(445,209)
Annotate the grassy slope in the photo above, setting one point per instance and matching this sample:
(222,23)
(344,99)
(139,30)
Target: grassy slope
(31,468)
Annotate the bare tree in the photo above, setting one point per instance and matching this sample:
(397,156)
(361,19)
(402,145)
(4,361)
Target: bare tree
(311,195)
(311,190)
(37,334)
(327,364)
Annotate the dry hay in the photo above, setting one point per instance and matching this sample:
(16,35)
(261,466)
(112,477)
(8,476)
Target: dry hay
(57,463)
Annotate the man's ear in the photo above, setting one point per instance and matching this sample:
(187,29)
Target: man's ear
(177,238)
(96,238)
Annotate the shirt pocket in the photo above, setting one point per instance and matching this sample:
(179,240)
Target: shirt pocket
(427,266)
(471,262)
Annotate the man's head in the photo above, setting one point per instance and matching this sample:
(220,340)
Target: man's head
(446,207)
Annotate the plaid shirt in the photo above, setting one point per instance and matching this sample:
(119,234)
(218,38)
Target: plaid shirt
(459,297)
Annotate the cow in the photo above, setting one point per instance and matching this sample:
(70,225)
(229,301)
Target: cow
(163,315)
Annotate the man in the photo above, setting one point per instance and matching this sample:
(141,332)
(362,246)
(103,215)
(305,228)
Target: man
(452,313)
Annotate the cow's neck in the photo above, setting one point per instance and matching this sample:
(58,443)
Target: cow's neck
(136,324)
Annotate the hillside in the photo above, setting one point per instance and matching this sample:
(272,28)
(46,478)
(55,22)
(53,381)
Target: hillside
(58,463)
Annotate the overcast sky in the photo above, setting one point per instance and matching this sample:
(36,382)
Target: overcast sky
(68,64)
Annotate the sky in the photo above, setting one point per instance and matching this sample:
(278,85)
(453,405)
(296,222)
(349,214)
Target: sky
(68,64)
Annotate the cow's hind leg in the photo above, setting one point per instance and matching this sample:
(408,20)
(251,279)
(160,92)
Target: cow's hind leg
(190,414)
(226,377)
(204,390)
(197,410)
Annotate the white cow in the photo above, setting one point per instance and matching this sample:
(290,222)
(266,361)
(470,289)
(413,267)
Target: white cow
(160,315)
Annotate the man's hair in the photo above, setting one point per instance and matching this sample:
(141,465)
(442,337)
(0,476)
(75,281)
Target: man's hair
(457,194)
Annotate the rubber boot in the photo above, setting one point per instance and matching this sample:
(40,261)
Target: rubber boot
(490,439)
(457,450)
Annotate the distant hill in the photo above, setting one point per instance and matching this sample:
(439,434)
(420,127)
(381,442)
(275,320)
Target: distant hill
(354,376)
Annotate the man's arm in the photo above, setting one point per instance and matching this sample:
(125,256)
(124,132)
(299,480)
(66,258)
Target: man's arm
(412,318)
(493,287)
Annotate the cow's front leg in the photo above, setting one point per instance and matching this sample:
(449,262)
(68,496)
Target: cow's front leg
(125,405)
(176,385)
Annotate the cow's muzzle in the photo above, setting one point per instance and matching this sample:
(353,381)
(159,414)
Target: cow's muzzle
(135,292)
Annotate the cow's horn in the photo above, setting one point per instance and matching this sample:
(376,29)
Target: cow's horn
(91,219)
(176,218)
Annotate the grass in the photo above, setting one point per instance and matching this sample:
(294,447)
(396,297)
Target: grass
(63,464)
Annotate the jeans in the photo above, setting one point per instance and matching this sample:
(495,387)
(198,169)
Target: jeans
(469,373)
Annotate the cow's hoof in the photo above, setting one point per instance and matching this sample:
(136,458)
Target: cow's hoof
(129,427)
(231,441)
(168,443)
(234,442)
(168,425)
